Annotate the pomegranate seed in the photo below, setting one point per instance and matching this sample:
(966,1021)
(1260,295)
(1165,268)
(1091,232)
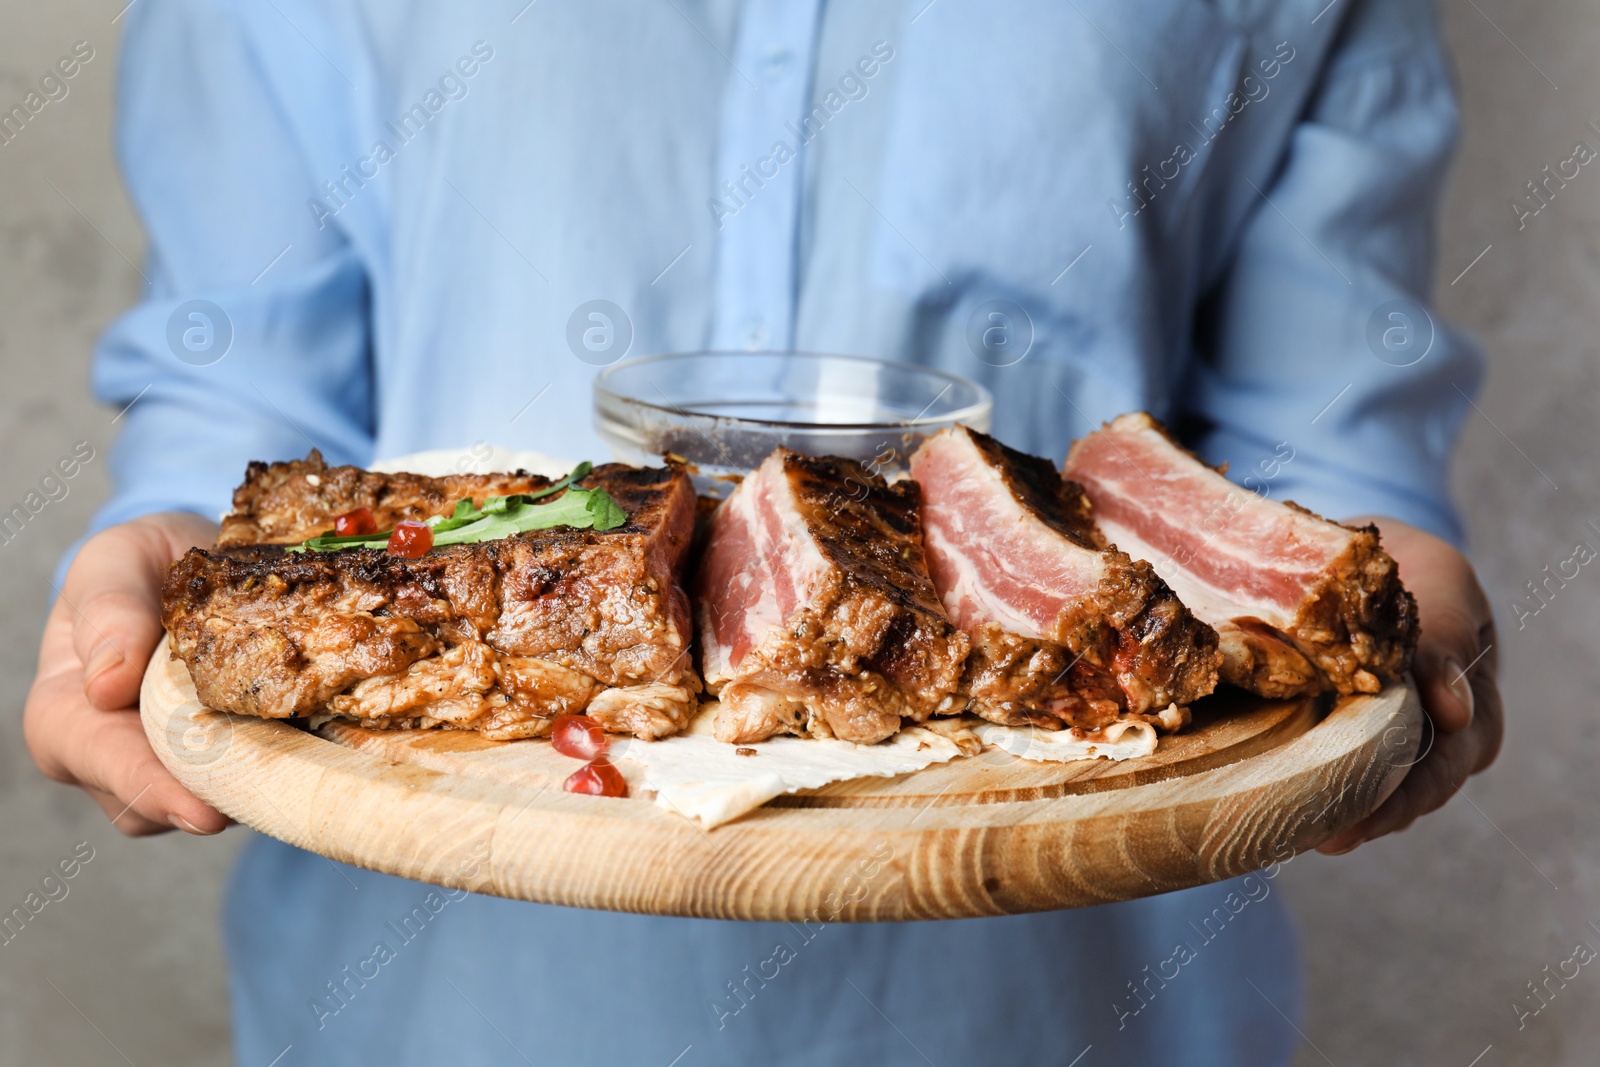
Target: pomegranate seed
(410,540)
(578,736)
(599,778)
(359,521)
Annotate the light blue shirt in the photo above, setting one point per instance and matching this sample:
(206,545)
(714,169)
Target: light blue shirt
(377,228)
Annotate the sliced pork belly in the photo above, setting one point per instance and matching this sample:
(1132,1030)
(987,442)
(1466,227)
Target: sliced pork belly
(1065,632)
(817,616)
(1302,604)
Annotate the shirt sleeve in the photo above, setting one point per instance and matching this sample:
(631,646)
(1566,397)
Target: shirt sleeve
(252,338)
(1318,342)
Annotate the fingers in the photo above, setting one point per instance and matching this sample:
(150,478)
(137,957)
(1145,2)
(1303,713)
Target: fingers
(1490,721)
(107,753)
(1456,623)
(1438,776)
(1456,646)
(113,590)
(139,795)
(57,681)
(1448,655)
(130,822)
(1455,669)
(1394,814)
(81,721)
(1428,785)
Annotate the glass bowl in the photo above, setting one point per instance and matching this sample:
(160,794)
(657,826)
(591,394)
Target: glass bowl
(725,412)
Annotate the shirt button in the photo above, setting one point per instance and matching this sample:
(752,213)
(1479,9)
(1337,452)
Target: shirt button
(754,336)
(775,64)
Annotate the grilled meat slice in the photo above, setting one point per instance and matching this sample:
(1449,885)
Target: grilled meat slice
(286,503)
(499,637)
(817,616)
(1065,631)
(1302,604)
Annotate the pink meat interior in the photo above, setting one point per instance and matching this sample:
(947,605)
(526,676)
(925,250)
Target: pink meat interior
(1227,552)
(991,558)
(759,566)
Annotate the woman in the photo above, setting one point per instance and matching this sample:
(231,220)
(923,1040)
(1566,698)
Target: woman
(377,230)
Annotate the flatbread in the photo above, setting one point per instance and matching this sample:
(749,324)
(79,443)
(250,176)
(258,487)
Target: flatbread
(706,780)
(1127,739)
(701,778)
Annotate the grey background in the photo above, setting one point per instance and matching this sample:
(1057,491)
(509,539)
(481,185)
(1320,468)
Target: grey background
(1417,946)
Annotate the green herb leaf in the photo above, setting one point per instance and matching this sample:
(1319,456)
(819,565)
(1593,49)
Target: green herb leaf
(463,514)
(581,509)
(501,516)
(328,542)
(580,471)
(604,512)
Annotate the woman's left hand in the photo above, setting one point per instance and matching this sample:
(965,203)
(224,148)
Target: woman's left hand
(1455,671)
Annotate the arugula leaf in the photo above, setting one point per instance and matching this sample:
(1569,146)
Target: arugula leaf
(329,542)
(580,471)
(501,516)
(466,513)
(604,512)
(581,509)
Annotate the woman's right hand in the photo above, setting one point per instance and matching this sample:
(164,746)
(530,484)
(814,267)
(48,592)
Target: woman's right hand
(82,716)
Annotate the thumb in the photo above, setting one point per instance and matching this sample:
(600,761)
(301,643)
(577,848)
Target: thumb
(1453,647)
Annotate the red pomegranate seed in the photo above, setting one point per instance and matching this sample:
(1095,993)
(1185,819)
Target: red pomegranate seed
(359,521)
(599,778)
(410,540)
(578,736)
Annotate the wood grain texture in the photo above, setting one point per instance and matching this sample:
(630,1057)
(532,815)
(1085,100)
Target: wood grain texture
(1251,783)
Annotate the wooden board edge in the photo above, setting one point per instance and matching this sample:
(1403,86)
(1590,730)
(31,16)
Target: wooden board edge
(784,864)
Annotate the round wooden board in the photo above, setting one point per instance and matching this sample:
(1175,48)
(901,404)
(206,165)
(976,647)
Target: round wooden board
(1250,783)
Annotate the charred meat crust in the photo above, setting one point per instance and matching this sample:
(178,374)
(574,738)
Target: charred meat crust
(286,503)
(1038,486)
(1129,647)
(1259,658)
(1018,681)
(573,600)
(1360,625)
(1164,653)
(872,645)
(871,530)
(494,636)
(1140,652)
(1357,629)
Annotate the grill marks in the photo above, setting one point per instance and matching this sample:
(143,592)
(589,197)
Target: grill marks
(498,637)
(1302,604)
(1065,631)
(829,603)
(817,615)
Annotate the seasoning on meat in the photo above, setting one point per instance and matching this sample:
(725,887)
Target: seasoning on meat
(1065,632)
(1302,604)
(817,616)
(501,637)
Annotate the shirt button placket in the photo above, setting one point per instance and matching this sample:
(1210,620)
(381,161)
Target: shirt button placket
(756,199)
